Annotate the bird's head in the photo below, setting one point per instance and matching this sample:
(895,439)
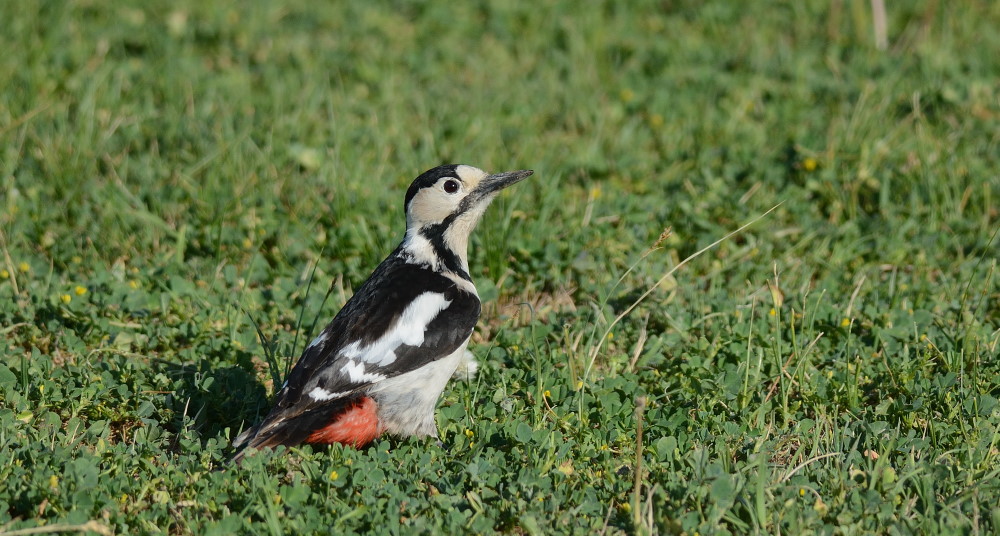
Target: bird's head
(444,204)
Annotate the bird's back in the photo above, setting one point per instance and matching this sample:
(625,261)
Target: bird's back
(402,318)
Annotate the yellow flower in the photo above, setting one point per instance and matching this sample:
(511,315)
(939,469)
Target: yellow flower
(80,291)
(133,284)
(469,433)
(24,267)
(845,322)
(333,475)
(76,259)
(66,298)
(802,492)
(547,393)
(4,274)
(772,312)
(810,164)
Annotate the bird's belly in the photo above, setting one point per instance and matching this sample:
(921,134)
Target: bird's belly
(406,402)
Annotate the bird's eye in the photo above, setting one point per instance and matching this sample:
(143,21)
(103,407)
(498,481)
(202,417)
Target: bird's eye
(451,186)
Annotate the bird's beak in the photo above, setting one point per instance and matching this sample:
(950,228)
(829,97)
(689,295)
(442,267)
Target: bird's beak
(499,181)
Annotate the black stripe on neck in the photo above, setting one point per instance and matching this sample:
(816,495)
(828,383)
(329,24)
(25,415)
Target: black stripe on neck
(435,235)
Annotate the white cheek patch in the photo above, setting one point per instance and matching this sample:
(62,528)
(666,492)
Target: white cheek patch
(408,330)
(431,205)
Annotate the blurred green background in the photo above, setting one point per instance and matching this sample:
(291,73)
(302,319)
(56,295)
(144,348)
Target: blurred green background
(176,175)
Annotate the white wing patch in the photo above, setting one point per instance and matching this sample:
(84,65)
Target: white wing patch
(319,393)
(408,330)
(356,372)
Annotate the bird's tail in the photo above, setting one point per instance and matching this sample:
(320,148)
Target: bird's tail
(260,437)
(281,428)
(246,440)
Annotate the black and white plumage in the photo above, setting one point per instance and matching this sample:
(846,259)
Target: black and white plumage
(384,360)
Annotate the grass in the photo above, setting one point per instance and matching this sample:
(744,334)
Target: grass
(174,173)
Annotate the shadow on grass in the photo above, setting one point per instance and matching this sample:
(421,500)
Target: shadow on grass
(213,399)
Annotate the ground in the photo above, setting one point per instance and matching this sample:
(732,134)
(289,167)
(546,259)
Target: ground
(189,190)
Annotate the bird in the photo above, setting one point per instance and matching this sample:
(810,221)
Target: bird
(383,361)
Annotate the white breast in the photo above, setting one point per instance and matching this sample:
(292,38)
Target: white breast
(406,402)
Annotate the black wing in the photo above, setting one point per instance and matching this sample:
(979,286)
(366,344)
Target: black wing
(336,363)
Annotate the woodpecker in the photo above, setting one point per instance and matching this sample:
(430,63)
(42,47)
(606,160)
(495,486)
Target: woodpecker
(383,361)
